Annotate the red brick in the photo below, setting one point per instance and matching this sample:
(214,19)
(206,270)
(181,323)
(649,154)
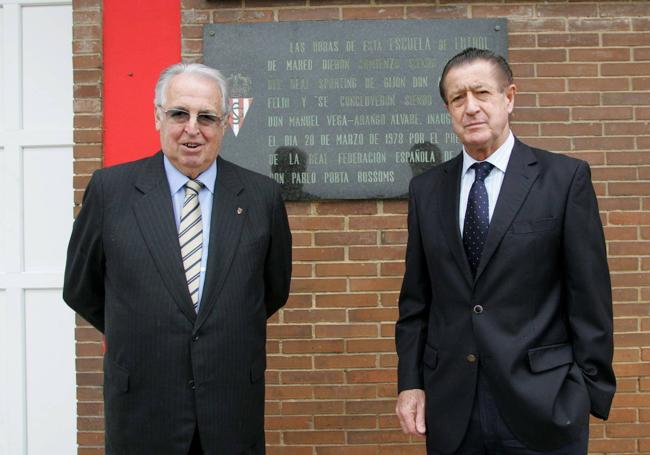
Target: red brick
(320,315)
(399,207)
(312,223)
(346,300)
(631,158)
(337,2)
(346,331)
(641,83)
(299,301)
(371,376)
(364,253)
(318,254)
(345,361)
(377,222)
(569,99)
(603,143)
(526,40)
(378,345)
(567,70)
(311,346)
(318,285)
(314,437)
(311,377)
(346,270)
(626,128)
(437,12)
(599,55)
(312,407)
(347,208)
(502,10)
(634,9)
(394,237)
(278,362)
(288,392)
(625,69)
(602,113)
(390,12)
(373,314)
(572,129)
(293,422)
(268,3)
(598,25)
(626,430)
(356,391)
(612,445)
(345,422)
(516,25)
(547,114)
(600,84)
(537,85)
(392,269)
(308,14)
(371,407)
(629,188)
(346,238)
(568,40)
(375,284)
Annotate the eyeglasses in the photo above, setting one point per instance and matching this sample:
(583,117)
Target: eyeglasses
(180,117)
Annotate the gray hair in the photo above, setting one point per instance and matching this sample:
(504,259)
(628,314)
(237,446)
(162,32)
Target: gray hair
(192,68)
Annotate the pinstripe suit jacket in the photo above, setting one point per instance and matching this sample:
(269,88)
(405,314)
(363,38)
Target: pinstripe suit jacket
(167,369)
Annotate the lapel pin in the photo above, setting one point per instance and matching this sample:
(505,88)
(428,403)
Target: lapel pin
(240,210)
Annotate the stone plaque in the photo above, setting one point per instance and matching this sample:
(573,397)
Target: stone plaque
(342,109)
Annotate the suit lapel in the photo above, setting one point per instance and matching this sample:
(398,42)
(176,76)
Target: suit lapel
(154,213)
(521,173)
(450,198)
(229,210)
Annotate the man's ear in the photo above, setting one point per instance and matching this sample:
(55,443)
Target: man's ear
(510,93)
(226,120)
(156,117)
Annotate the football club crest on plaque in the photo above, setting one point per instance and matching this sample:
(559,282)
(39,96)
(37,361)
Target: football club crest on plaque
(240,101)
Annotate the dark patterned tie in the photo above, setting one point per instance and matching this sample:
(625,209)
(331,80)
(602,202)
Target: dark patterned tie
(190,237)
(477,216)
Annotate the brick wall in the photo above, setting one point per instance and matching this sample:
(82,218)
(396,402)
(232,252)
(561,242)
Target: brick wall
(583,72)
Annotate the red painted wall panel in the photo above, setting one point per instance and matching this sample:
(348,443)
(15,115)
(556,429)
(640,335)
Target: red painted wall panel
(140,38)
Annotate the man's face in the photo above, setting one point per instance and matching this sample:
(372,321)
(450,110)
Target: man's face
(479,106)
(190,145)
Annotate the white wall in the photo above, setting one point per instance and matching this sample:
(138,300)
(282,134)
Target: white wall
(37,370)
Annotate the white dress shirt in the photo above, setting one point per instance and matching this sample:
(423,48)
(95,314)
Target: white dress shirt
(493,181)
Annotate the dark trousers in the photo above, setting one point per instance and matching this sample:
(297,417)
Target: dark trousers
(196,449)
(488,434)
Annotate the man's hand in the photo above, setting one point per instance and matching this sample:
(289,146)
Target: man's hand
(410,411)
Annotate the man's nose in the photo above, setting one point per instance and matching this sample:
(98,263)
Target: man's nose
(472,104)
(192,126)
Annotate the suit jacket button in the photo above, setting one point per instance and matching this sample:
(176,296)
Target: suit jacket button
(478,309)
(192,385)
(195,338)
(471,358)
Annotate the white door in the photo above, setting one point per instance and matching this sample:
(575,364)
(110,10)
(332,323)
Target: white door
(37,352)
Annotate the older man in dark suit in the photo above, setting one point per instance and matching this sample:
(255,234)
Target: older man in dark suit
(179,259)
(505,328)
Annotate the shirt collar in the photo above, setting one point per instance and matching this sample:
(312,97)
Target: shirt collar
(177,179)
(499,158)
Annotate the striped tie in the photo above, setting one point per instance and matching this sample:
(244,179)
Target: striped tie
(190,237)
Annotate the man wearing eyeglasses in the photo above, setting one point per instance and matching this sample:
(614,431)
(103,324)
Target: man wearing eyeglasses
(179,259)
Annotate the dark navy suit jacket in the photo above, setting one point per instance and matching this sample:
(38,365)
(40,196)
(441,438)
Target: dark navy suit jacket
(544,338)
